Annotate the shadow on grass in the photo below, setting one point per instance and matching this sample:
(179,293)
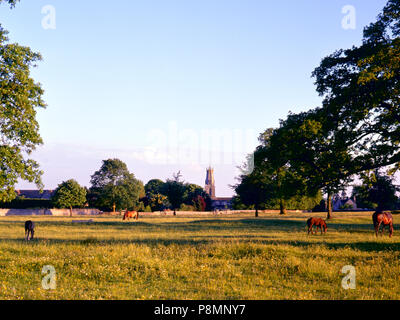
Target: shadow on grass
(365,246)
(207,226)
(267,225)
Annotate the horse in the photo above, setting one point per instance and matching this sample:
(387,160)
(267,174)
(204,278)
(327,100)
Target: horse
(131,214)
(319,223)
(385,218)
(29,230)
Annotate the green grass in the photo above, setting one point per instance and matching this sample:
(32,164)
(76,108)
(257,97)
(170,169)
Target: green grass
(235,257)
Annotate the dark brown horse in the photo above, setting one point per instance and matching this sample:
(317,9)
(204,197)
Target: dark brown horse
(29,230)
(319,223)
(383,218)
(131,214)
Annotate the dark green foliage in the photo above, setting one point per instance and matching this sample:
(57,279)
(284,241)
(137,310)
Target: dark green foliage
(114,187)
(255,189)
(197,197)
(24,203)
(69,194)
(360,87)
(175,189)
(174,193)
(20,96)
(377,192)
(154,186)
(357,128)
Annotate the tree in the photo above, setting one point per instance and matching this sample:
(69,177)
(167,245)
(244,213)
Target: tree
(157,201)
(114,187)
(256,185)
(197,197)
(360,89)
(69,194)
(20,96)
(377,191)
(286,183)
(199,203)
(253,189)
(174,189)
(154,186)
(315,154)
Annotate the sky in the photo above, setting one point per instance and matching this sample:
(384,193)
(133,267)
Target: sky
(173,85)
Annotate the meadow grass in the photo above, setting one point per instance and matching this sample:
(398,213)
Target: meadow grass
(228,257)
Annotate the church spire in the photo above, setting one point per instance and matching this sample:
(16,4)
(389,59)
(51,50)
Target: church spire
(210,183)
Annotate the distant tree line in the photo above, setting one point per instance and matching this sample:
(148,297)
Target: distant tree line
(114,188)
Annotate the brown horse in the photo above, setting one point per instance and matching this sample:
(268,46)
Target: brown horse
(383,218)
(130,215)
(319,223)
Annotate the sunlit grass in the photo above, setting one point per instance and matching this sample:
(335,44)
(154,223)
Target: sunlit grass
(235,257)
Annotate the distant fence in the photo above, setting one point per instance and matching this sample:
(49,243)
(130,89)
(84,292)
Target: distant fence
(48,212)
(218,212)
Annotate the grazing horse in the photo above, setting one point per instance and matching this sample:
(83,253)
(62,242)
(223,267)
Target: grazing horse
(319,223)
(131,214)
(385,218)
(29,229)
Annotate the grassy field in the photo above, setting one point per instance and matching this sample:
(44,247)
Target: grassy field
(235,257)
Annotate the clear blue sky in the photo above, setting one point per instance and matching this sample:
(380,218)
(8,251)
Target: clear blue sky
(117,74)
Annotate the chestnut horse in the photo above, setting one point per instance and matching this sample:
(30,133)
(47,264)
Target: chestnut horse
(383,218)
(130,215)
(319,223)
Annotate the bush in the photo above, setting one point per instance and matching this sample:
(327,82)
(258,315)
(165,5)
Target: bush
(22,203)
(186,207)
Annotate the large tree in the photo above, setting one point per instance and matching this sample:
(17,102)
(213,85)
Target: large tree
(114,187)
(361,93)
(310,146)
(273,158)
(174,189)
(69,194)
(20,96)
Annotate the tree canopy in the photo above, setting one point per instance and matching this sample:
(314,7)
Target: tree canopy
(376,192)
(69,194)
(114,187)
(20,96)
(360,88)
(357,127)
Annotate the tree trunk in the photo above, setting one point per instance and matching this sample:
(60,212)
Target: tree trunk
(282,206)
(256,210)
(70,211)
(329,205)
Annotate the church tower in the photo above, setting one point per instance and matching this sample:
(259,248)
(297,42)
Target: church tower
(210,183)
